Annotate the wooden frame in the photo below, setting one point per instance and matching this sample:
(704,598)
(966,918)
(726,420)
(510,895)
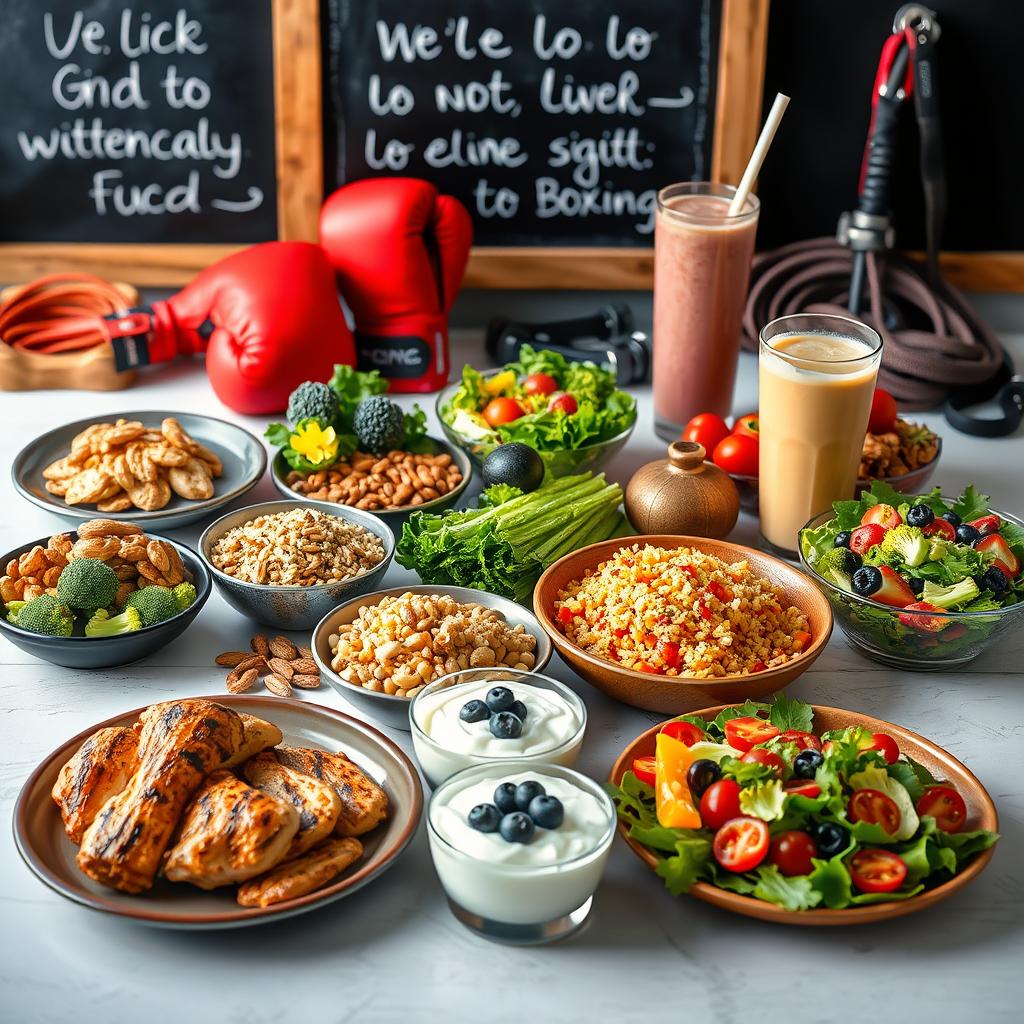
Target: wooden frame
(299,171)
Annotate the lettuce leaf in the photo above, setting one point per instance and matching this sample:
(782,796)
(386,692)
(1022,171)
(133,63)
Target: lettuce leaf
(787,713)
(763,800)
(793,893)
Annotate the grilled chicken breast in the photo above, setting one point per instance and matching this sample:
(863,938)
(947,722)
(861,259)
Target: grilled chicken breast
(100,768)
(303,875)
(318,805)
(229,833)
(259,735)
(364,805)
(180,743)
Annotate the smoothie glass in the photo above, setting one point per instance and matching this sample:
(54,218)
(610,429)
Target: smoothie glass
(817,377)
(701,272)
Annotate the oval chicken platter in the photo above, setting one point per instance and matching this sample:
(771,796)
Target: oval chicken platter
(217,812)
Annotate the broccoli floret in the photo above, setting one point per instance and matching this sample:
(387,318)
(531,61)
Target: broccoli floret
(87,584)
(906,542)
(948,597)
(379,425)
(937,549)
(312,399)
(837,565)
(154,604)
(103,623)
(13,607)
(45,615)
(184,595)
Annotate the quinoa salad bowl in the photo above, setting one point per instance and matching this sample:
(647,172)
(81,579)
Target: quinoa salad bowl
(665,622)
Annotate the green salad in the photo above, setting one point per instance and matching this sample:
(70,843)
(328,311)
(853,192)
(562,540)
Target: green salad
(755,802)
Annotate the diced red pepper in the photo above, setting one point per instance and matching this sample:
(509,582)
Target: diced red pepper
(758,666)
(644,666)
(719,591)
(705,611)
(690,571)
(650,640)
(619,632)
(801,638)
(669,651)
(564,615)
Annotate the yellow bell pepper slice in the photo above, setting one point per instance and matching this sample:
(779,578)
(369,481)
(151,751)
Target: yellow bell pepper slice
(675,806)
(499,382)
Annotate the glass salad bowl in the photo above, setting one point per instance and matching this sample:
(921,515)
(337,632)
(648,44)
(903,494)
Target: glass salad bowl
(918,640)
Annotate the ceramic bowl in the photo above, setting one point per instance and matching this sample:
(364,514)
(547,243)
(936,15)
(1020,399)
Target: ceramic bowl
(981,813)
(385,707)
(395,518)
(679,694)
(103,652)
(293,607)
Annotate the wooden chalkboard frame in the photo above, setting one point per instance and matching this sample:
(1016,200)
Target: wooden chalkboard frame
(299,174)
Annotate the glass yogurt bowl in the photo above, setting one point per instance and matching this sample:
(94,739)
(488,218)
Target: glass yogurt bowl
(444,744)
(521,893)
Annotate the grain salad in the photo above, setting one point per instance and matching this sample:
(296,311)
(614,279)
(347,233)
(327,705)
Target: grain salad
(681,612)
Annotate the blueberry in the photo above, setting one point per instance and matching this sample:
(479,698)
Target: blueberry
(920,516)
(866,581)
(993,579)
(506,726)
(519,710)
(916,584)
(546,811)
(516,827)
(500,698)
(842,539)
(525,792)
(484,818)
(474,711)
(505,797)
(805,764)
(830,838)
(967,534)
(700,775)
(952,518)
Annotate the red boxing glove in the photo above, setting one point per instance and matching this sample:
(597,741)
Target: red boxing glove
(400,251)
(268,318)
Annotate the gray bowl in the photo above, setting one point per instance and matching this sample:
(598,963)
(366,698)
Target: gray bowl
(394,711)
(395,518)
(104,652)
(293,607)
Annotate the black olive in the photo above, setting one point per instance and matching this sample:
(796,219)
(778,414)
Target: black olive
(701,774)
(805,764)
(830,837)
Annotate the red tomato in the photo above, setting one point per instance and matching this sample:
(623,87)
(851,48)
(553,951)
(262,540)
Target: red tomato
(882,418)
(885,515)
(749,425)
(564,403)
(737,454)
(540,384)
(803,740)
(939,527)
(945,805)
(791,852)
(866,537)
(877,870)
(502,410)
(761,756)
(876,807)
(706,429)
(802,787)
(644,769)
(685,732)
(720,803)
(741,844)
(887,745)
(744,733)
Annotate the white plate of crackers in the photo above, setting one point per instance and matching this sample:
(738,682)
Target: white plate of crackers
(150,467)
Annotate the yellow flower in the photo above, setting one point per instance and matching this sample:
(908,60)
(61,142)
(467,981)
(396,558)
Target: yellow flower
(314,443)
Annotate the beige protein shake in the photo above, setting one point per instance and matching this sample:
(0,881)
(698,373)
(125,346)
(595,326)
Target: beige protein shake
(701,273)
(817,377)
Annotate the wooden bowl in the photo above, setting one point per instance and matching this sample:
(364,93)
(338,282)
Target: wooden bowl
(678,694)
(981,813)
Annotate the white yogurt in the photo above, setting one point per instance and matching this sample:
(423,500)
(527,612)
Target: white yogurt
(520,883)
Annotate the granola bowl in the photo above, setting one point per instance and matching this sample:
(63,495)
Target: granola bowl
(301,606)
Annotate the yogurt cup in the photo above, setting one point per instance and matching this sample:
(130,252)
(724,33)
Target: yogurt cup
(444,744)
(521,893)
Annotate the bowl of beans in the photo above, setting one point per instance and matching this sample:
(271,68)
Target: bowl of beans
(391,486)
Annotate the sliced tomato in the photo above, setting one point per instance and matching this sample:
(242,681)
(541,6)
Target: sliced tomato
(864,538)
(875,807)
(945,805)
(761,756)
(803,740)
(748,424)
(883,742)
(884,515)
(540,384)
(739,454)
(877,870)
(706,429)
(744,733)
(940,527)
(674,804)
(741,844)
(499,411)
(644,769)
(720,803)
(791,852)
(882,418)
(802,787)
(685,732)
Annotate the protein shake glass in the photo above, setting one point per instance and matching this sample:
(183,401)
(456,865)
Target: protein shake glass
(817,378)
(701,272)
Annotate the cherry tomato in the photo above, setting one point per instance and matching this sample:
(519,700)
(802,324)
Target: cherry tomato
(802,787)
(741,844)
(540,384)
(945,805)
(887,745)
(876,807)
(685,732)
(749,425)
(877,870)
(706,429)
(882,418)
(885,515)
(744,733)
(564,403)
(502,410)
(644,769)
(720,803)
(737,454)
(803,740)
(791,852)
(866,537)
(943,528)
(761,756)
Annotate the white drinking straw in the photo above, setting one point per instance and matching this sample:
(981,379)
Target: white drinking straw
(771,126)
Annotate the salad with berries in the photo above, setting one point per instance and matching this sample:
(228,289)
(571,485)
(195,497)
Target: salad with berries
(755,802)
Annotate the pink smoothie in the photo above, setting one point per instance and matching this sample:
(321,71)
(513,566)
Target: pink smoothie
(701,272)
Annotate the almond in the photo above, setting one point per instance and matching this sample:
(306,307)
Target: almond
(108,528)
(282,647)
(278,686)
(281,667)
(305,667)
(304,652)
(230,659)
(252,661)
(259,644)
(240,682)
(304,682)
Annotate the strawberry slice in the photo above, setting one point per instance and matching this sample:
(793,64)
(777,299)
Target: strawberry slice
(986,524)
(894,590)
(995,544)
(923,623)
